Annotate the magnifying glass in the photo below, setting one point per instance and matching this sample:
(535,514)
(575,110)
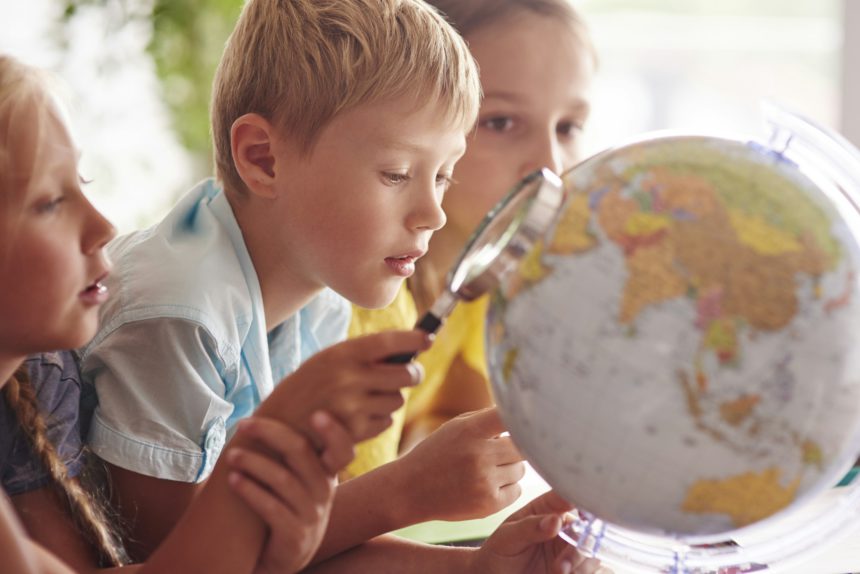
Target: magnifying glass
(505,235)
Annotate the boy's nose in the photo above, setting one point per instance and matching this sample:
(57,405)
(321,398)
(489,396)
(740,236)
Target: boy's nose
(428,215)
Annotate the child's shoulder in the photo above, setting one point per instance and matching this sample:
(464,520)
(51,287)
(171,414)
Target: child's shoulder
(193,264)
(48,369)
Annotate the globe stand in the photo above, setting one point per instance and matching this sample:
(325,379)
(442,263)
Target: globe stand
(773,546)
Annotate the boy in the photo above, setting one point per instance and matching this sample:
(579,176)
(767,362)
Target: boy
(337,126)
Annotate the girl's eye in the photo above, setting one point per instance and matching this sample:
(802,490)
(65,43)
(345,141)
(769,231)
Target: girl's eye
(498,123)
(395,178)
(443,180)
(568,129)
(50,205)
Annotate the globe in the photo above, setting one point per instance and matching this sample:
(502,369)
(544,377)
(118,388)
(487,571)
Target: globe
(679,354)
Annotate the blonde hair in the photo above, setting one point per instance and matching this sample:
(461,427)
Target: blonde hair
(298,63)
(22,85)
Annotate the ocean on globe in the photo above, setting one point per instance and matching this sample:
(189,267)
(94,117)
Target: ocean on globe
(679,355)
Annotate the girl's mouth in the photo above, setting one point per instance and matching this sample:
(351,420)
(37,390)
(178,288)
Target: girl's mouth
(95,294)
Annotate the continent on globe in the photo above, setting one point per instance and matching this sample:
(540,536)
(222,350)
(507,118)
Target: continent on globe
(680,354)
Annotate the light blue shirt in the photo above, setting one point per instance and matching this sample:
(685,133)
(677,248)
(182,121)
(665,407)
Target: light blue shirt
(182,351)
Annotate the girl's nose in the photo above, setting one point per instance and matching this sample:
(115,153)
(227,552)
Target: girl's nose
(98,230)
(546,151)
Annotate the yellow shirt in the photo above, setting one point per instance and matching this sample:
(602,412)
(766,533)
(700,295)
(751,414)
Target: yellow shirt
(399,315)
(461,335)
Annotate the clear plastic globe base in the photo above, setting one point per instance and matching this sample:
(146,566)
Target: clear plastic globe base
(679,354)
(772,546)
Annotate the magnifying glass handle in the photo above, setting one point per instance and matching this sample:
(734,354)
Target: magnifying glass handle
(430,323)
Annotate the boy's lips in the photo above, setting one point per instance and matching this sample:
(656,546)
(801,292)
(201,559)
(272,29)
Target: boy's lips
(404,265)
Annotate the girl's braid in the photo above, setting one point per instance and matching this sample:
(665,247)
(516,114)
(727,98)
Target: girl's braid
(88,514)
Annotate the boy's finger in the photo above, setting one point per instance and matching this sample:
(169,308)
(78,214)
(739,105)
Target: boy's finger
(377,347)
(337,444)
(389,377)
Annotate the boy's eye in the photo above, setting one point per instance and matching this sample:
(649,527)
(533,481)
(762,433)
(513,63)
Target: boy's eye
(395,178)
(498,123)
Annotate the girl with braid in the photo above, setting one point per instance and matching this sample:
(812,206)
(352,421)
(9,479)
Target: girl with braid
(52,264)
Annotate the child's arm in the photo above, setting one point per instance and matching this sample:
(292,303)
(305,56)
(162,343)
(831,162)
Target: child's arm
(526,543)
(350,379)
(166,373)
(45,515)
(463,470)
(222,533)
(295,506)
(20,555)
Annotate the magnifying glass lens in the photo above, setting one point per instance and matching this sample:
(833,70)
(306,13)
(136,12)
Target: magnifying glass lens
(501,240)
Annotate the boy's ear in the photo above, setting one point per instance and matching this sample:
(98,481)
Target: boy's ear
(251,141)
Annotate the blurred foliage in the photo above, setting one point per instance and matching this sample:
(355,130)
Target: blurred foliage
(187,38)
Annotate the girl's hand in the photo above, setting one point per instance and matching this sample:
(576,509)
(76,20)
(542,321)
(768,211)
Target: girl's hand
(528,542)
(463,470)
(291,487)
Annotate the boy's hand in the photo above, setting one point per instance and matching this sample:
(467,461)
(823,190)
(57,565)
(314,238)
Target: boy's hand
(291,487)
(352,381)
(462,470)
(528,542)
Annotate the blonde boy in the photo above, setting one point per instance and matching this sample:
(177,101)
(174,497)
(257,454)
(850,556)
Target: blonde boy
(337,125)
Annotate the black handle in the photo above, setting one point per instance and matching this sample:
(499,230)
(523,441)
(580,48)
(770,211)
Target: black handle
(429,323)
